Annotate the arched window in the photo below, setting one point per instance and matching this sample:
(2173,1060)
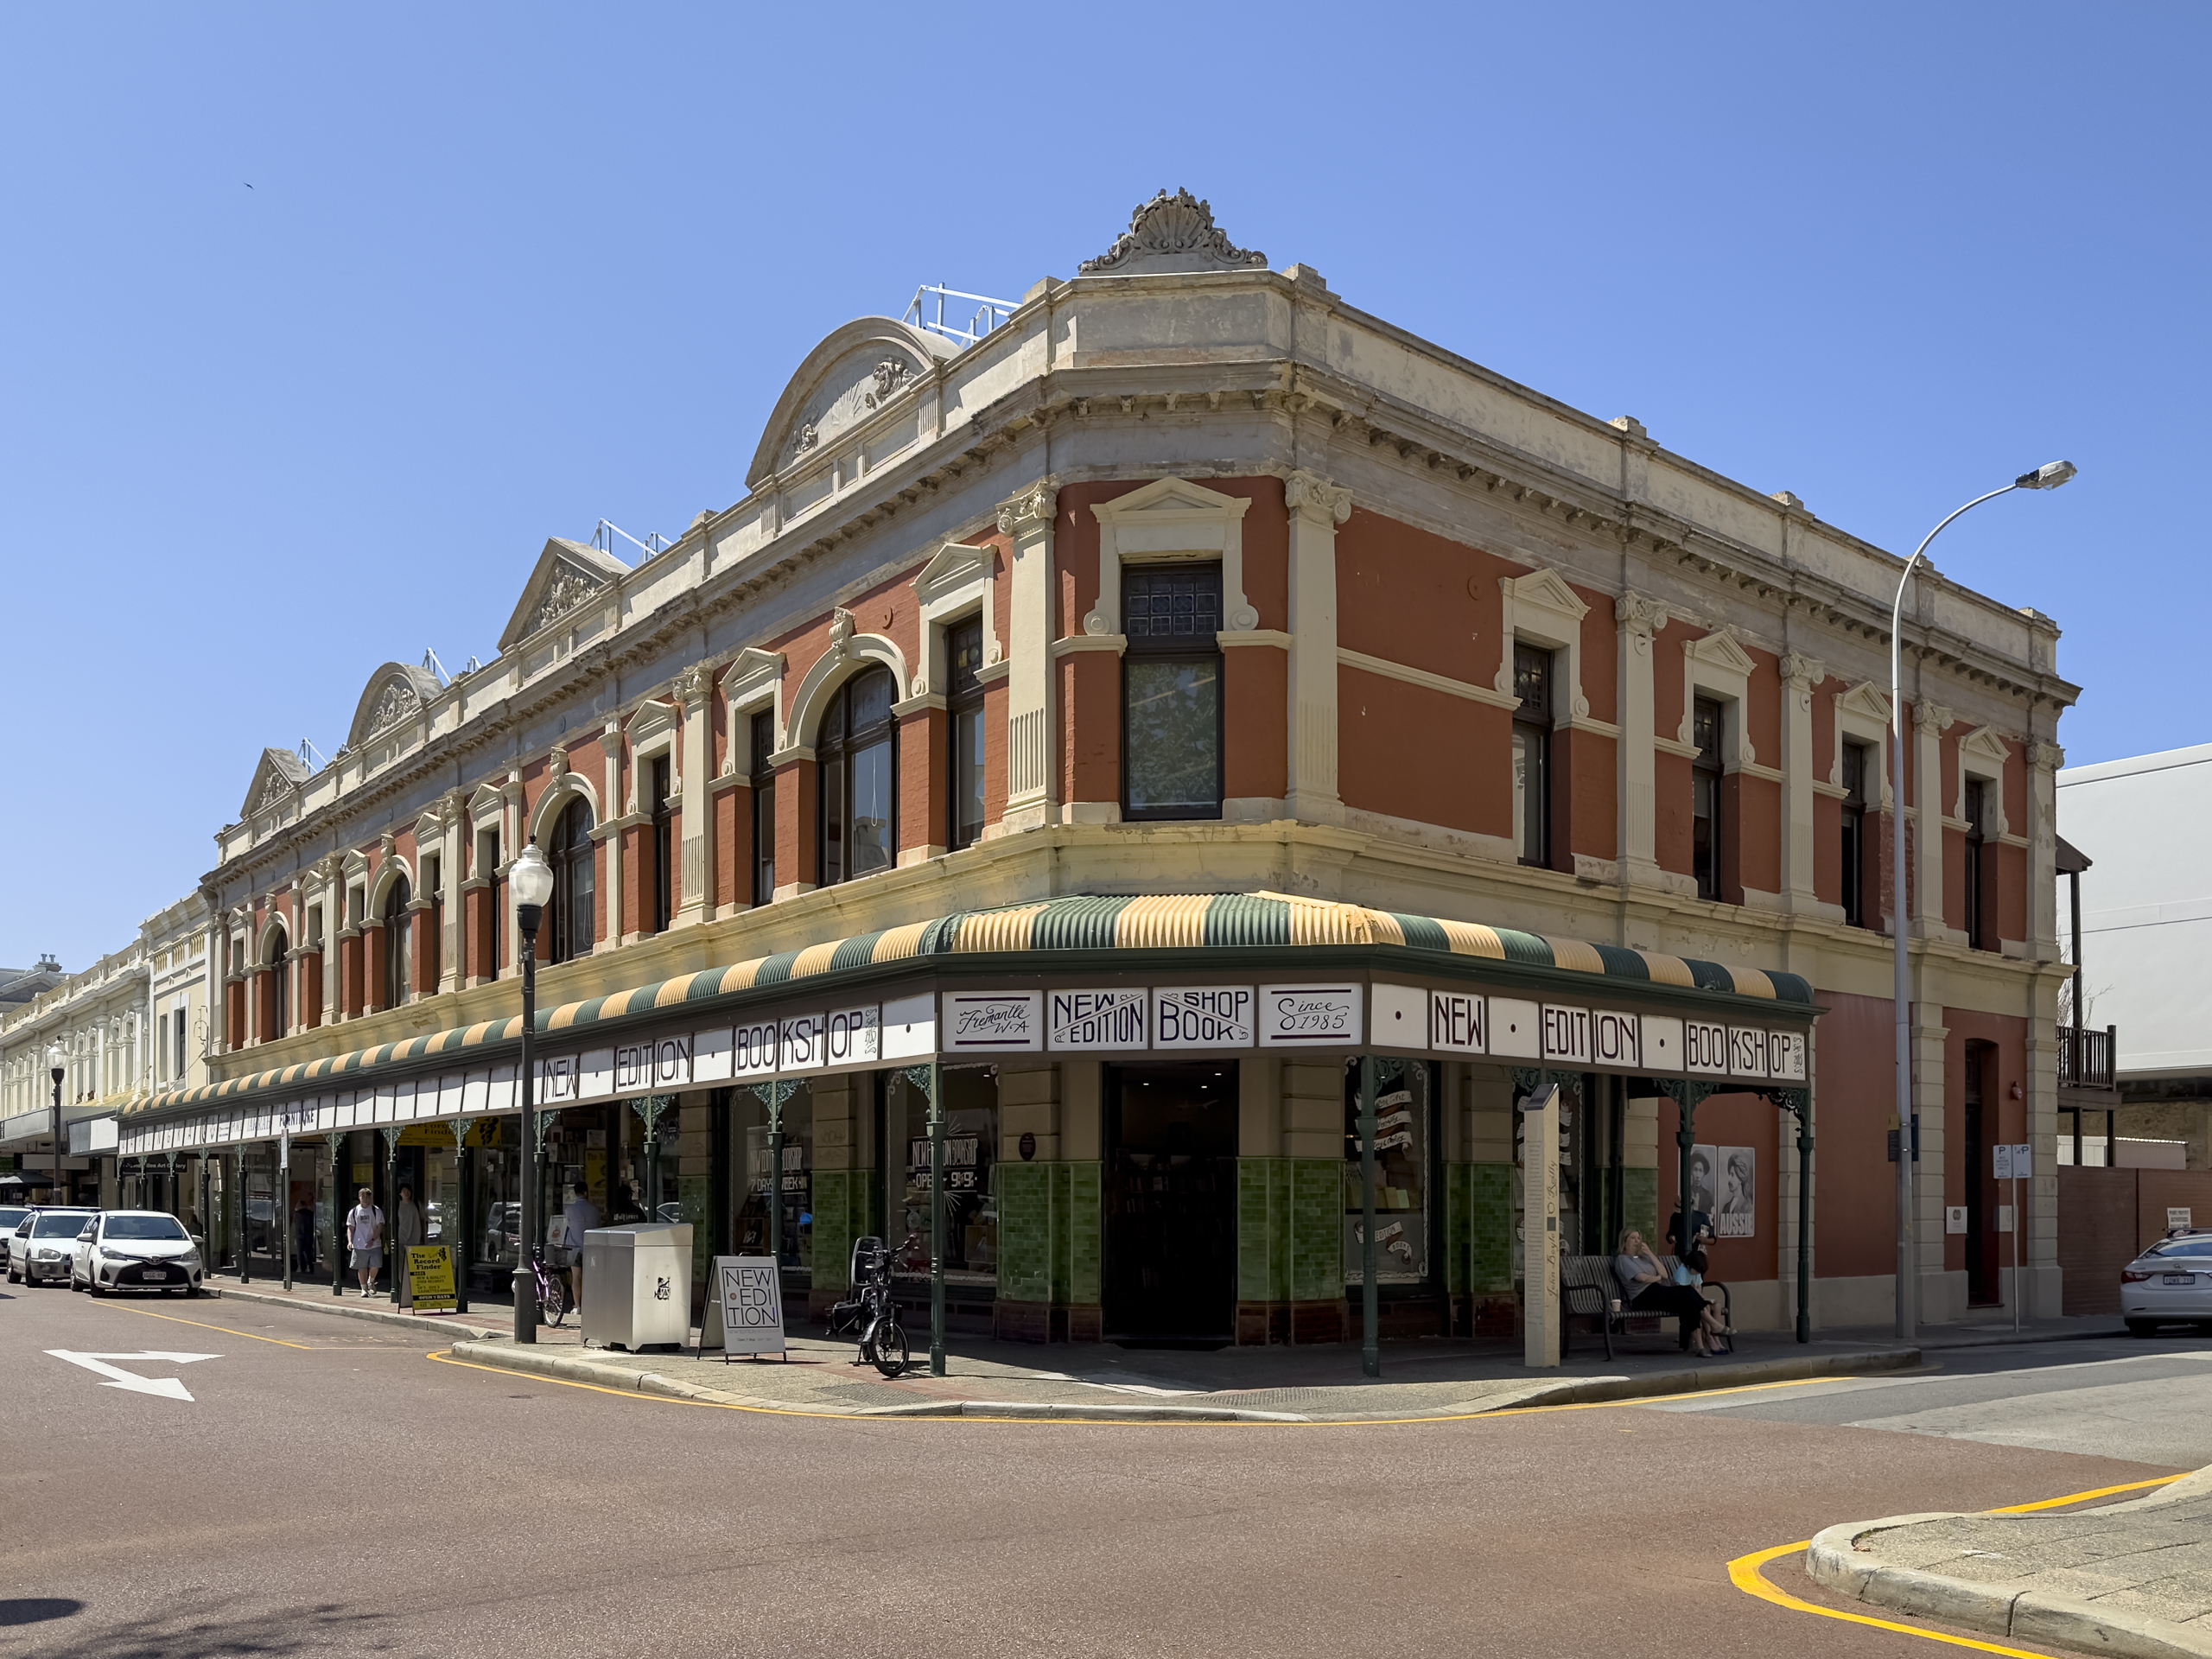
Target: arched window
(280,990)
(398,943)
(570,857)
(855,750)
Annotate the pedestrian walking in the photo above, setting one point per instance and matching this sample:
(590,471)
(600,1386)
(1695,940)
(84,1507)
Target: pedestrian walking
(364,1237)
(303,1237)
(407,1228)
(578,1218)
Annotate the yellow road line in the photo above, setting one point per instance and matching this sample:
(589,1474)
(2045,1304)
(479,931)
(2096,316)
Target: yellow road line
(1746,1574)
(447,1358)
(225,1329)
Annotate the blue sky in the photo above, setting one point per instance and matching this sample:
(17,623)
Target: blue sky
(504,271)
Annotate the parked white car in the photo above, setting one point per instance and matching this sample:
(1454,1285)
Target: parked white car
(11,1217)
(44,1245)
(2170,1283)
(135,1249)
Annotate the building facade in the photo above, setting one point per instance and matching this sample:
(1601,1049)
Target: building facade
(1140,712)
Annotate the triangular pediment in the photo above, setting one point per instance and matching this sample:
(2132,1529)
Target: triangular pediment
(1720,650)
(280,772)
(1867,701)
(1546,589)
(1987,743)
(567,575)
(956,565)
(1170,499)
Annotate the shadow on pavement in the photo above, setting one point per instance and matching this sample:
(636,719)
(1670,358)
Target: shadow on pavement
(37,1610)
(200,1635)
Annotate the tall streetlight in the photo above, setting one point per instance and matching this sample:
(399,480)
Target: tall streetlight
(2048,476)
(55,1070)
(533,885)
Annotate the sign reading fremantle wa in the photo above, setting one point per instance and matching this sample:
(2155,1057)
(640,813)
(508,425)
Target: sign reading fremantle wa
(1098,1020)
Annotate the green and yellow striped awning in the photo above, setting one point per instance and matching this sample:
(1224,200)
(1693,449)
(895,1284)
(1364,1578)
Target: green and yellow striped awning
(1074,928)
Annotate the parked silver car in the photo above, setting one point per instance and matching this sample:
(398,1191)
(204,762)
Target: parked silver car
(44,1244)
(2170,1283)
(135,1249)
(11,1217)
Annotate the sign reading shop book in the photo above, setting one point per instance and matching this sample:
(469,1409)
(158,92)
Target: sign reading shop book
(1203,1016)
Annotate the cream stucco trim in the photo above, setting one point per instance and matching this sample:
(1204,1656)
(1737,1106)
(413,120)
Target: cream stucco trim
(1172,518)
(1422,676)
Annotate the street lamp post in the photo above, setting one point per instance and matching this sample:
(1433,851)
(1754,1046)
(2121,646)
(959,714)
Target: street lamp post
(2048,476)
(54,1069)
(533,885)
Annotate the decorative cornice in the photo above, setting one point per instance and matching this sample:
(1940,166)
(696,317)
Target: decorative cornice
(1801,672)
(693,684)
(1171,234)
(1932,719)
(1308,492)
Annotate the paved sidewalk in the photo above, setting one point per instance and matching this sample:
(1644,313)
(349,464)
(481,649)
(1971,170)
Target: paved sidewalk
(1425,1377)
(2133,1578)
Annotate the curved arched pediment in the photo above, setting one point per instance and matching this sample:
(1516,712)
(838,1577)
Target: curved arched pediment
(396,691)
(848,653)
(843,381)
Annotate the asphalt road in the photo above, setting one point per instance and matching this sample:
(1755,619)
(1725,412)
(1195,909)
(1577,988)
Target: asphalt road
(330,1487)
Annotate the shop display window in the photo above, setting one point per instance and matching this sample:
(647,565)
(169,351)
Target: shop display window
(1405,1099)
(971,1145)
(761,1186)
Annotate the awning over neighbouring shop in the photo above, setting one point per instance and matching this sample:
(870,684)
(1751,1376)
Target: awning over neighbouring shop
(1211,972)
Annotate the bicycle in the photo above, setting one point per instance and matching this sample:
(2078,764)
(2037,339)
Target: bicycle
(873,1313)
(552,1294)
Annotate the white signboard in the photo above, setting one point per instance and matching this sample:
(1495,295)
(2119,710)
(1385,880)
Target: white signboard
(710,1055)
(745,1314)
(1705,1048)
(910,1028)
(854,1036)
(1514,1031)
(1458,1023)
(2014,1162)
(1309,1016)
(992,1022)
(1785,1054)
(1566,1033)
(1096,1019)
(1203,1016)
(2177,1219)
(664,1063)
(1747,1052)
(1615,1038)
(752,1053)
(804,1040)
(1955,1218)
(1540,1216)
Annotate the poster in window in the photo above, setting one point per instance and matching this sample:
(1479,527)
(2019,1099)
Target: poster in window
(1736,1218)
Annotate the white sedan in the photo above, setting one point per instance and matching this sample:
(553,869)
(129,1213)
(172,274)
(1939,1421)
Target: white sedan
(44,1243)
(135,1249)
(2170,1283)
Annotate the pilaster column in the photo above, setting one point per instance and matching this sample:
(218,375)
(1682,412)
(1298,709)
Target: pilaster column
(1032,745)
(617,804)
(1941,1295)
(696,858)
(1317,507)
(2045,759)
(452,916)
(1639,621)
(1929,721)
(1800,765)
(333,920)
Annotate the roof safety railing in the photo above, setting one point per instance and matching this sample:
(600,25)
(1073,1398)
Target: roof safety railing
(603,539)
(990,312)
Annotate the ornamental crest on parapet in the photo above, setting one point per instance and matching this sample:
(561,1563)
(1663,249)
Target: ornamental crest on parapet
(396,703)
(1171,234)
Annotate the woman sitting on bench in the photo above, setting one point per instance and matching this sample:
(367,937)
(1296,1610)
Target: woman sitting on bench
(1645,1288)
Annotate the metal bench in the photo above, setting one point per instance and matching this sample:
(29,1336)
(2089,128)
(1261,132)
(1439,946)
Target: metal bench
(1587,1290)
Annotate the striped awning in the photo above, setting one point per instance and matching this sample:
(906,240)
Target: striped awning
(1073,927)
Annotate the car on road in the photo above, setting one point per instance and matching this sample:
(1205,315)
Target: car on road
(135,1249)
(44,1243)
(2170,1283)
(11,1217)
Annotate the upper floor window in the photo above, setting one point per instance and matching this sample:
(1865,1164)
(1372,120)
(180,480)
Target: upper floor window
(1171,691)
(1532,755)
(176,1034)
(570,857)
(398,943)
(280,990)
(1854,834)
(663,832)
(764,808)
(853,749)
(1705,726)
(964,652)
(1977,821)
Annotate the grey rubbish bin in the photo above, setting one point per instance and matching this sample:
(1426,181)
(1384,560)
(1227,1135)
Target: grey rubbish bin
(637,1285)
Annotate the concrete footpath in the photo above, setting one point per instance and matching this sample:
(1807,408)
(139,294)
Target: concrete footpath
(2133,1579)
(1424,1378)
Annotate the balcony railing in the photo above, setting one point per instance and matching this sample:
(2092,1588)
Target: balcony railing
(2085,1057)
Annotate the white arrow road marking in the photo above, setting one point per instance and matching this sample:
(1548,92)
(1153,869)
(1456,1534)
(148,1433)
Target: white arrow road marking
(167,1387)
